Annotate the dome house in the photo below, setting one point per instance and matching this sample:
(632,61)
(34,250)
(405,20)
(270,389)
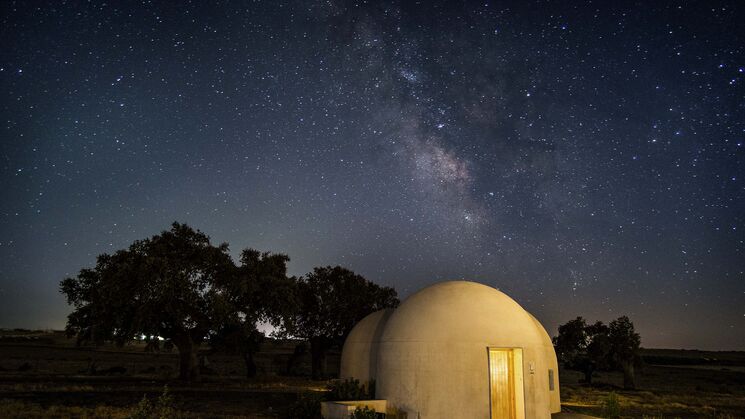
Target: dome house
(456,349)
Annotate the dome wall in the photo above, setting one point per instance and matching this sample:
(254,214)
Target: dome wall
(433,352)
(360,353)
(545,363)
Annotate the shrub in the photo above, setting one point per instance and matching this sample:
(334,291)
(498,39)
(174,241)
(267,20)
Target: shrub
(351,390)
(162,408)
(364,413)
(143,409)
(611,407)
(307,406)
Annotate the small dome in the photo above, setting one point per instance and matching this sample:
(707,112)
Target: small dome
(359,355)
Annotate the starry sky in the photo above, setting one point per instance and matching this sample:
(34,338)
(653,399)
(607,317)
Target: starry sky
(587,158)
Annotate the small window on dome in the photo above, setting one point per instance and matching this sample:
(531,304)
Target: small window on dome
(551,380)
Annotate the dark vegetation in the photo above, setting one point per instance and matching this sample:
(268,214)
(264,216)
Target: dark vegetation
(365,413)
(179,287)
(351,389)
(331,302)
(593,347)
(66,380)
(605,372)
(45,372)
(692,391)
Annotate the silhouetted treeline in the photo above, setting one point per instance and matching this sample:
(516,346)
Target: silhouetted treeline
(180,287)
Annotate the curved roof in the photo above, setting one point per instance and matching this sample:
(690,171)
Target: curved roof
(542,331)
(462,311)
(433,358)
(359,355)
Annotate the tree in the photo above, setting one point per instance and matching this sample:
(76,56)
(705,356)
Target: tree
(260,292)
(331,302)
(583,347)
(625,343)
(589,348)
(174,285)
(571,343)
(242,338)
(597,351)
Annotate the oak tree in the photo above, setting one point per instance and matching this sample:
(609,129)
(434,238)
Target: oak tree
(173,285)
(331,302)
(625,343)
(260,292)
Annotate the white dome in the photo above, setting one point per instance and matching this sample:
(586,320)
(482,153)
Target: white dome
(360,353)
(456,350)
(548,363)
(461,311)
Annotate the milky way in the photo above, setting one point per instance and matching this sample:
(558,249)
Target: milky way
(585,158)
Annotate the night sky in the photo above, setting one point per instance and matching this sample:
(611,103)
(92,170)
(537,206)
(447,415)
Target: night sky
(587,158)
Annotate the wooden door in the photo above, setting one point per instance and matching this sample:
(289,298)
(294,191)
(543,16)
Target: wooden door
(506,383)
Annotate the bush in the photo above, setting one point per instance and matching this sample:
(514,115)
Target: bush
(307,406)
(611,407)
(162,408)
(143,409)
(351,390)
(364,413)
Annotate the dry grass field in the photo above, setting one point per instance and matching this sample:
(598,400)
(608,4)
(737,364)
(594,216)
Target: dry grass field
(44,375)
(672,384)
(663,392)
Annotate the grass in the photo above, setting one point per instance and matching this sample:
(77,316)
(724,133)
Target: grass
(26,410)
(42,375)
(664,392)
(10,408)
(45,375)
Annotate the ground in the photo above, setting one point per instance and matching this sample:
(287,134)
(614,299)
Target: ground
(568,415)
(45,375)
(695,384)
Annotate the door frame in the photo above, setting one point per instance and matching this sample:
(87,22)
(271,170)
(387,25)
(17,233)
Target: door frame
(520,408)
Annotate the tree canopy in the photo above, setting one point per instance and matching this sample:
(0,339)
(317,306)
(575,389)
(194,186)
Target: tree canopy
(331,302)
(179,286)
(173,285)
(625,343)
(259,292)
(589,348)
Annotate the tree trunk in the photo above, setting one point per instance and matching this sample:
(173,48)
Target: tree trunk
(629,379)
(299,351)
(318,358)
(588,375)
(248,358)
(188,362)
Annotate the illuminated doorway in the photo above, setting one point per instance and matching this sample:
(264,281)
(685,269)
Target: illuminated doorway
(506,383)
